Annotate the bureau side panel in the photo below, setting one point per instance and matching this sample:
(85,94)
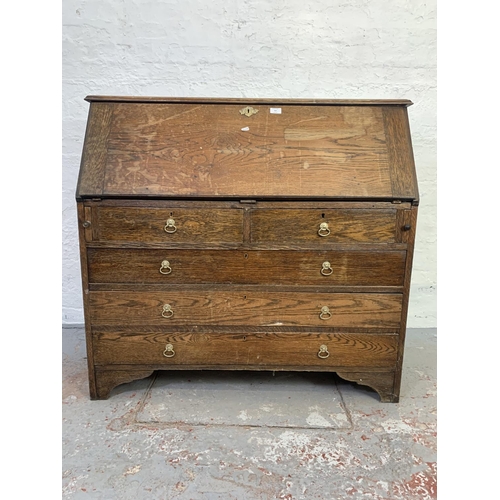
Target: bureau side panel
(83,233)
(411,218)
(400,154)
(94,155)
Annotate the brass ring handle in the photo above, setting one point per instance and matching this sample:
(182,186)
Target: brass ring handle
(169,351)
(170,226)
(325,313)
(167,311)
(323,229)
(165,265)
(325,267)
(323,352)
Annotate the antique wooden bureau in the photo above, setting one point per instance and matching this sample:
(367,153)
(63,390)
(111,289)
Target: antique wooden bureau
(246,234)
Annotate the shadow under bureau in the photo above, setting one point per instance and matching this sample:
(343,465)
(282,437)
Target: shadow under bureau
(246,234)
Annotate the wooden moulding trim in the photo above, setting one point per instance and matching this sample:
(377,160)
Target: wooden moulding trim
(307,245)
(102,328)
(153,287)
(222,203)
(374,371)
(239,197)
(250,100)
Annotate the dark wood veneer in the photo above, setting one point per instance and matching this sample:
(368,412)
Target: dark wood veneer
(246,210)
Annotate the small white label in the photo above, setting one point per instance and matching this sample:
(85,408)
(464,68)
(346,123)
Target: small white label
(275,111)
(245,129)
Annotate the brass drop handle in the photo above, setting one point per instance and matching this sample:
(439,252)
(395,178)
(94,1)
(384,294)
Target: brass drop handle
(325,313)
(323,229)
(323,352)
(326,268)
(170,226)
(167,311)
(169,351)
(165,267)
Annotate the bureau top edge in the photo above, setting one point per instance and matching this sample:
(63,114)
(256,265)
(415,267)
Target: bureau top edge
(250,100)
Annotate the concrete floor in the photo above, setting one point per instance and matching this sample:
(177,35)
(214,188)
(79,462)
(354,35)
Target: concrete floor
(250,435)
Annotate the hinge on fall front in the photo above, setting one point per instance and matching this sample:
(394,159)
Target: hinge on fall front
(396,201)
(248,201)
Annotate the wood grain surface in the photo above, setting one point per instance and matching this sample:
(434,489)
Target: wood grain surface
(192,225)
(247,196)
(199,307)
(303,225)
(354,268)
(94,156)
(400,153)
(411,216)
(350,350)
(209,150)
(205,148)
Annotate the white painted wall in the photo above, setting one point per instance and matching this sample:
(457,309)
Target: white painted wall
(254,48)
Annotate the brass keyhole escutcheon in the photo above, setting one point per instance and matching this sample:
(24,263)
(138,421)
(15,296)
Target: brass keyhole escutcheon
(169,351)
(323,229)
(325,313)
(326,268)
(170,226)
(165,267)
(249,111)
(323,352)
(167,311)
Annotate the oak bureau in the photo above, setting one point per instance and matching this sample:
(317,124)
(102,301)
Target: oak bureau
(246,234)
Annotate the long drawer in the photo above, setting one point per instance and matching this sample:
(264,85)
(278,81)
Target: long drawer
(331,268)
(172,308)
(250,349)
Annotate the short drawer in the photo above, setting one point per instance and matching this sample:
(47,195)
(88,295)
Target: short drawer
(329,268)
(172,308)
(323,227)
(251,349)
(159,225)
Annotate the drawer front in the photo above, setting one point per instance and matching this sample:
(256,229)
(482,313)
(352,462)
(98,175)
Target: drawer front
(252,349)
(332,268)
(323,227)
(175,225)
(173,308)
